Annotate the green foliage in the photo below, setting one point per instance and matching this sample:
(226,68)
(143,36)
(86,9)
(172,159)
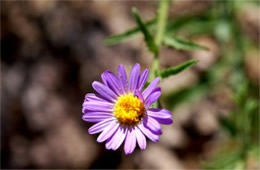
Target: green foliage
(225,160)
(228,125)
(147,35)
(115,39)
(177,69)
(180,44)
(240,123)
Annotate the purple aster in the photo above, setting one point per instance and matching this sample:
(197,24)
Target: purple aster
(122,112)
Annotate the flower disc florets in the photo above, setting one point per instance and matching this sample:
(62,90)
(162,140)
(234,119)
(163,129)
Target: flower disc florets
(129,109)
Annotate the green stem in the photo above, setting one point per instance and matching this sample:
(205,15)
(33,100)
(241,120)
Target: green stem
(161,25)
(162,20)
(155,67)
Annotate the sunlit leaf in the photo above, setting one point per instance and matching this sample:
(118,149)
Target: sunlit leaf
(177,69)
(251,104)
(115,39)
(180,44)
(147,35)
(225,160)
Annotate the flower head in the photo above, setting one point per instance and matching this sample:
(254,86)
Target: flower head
(122,112)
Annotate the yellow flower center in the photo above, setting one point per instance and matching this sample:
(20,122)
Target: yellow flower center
(129,109)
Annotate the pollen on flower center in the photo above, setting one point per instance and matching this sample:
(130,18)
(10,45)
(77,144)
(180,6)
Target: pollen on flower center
(129,109)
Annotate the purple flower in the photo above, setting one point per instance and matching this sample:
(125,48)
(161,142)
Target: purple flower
(122,109)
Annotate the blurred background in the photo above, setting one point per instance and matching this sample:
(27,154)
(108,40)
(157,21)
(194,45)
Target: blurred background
(52,51)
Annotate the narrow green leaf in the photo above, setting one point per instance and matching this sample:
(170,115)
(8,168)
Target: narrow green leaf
(187,21)
(181,44)
(147,35)
(116,39)
(177,69)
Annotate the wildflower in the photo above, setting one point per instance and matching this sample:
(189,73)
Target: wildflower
(122,110)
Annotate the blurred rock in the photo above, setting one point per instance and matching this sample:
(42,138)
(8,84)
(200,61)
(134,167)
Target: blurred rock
(127,162)
(42,109)
(60,23)
(202,114)
(13,79)
(42,7)
(19,150)
(206,57)
(222,100)
(65,145)
(183,114)
(158,157)
(186,79)
(170,57)
(173,136)
(248,16)
(109,11)
(213,146)
(187,8)
(18,18)
(252,62)
(205,119)
(29,35)
(48,73)
(40,153)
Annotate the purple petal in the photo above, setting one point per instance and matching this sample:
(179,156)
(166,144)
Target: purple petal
(151,87)
(96,116)
(104,91)
(130,142)
(109,142)
(139,95)
(134,77)
(97,106)
(111,81)
(92,96)
(143,79)
(108,132)
(153,97)
(161,115)
(154,137)
(164,121)
(122,78)
(117,139)
(140,139)
(100,126)
(152,124)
